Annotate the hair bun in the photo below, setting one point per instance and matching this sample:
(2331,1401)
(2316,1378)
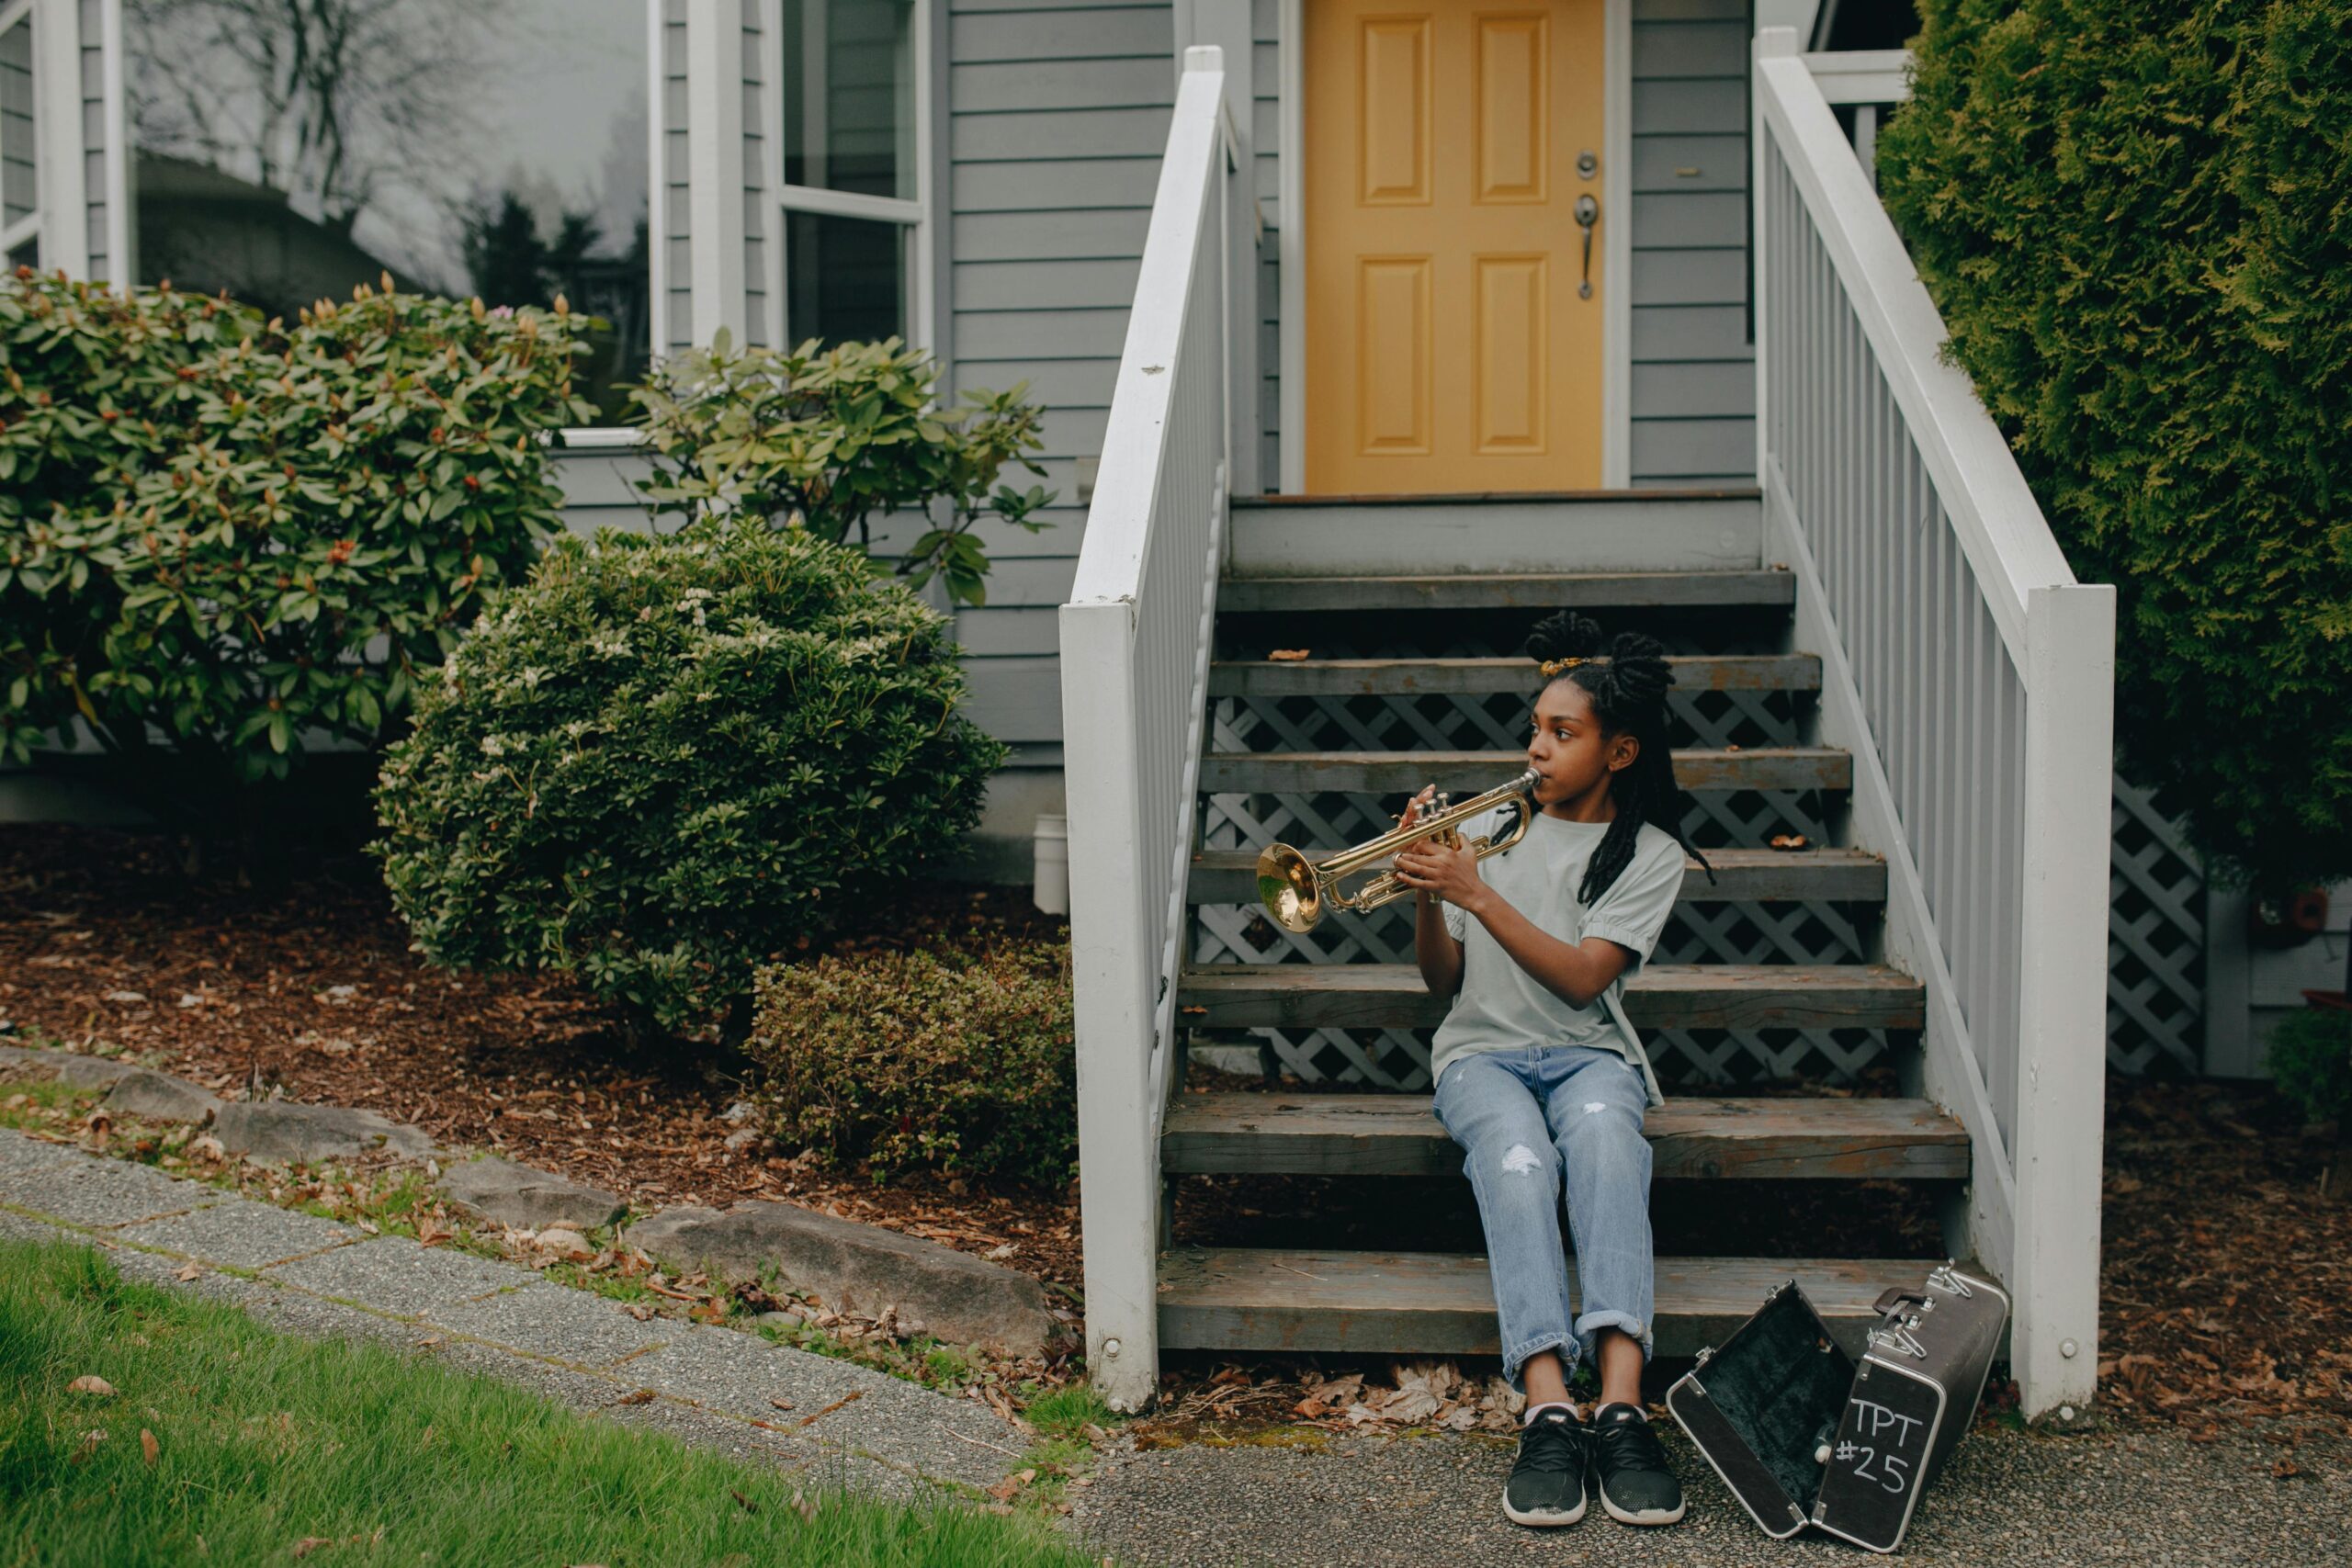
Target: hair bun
(1564,635)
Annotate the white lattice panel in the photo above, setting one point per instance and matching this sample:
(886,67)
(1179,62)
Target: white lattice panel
(2155,942)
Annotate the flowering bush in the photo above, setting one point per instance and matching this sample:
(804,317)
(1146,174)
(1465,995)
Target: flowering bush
(664,761)
(223,533)
(838,438)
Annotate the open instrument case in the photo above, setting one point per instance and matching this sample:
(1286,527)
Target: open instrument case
(1803,1434)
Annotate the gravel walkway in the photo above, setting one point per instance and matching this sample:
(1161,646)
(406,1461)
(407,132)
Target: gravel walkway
(843,1424)
(2140,1498)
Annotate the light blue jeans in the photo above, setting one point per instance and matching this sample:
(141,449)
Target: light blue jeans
(1525,1118)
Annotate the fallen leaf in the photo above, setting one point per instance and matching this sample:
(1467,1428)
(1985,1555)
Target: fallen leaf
(636,1396)
(2285,1468)
(309,1543)
(779,1401)
(1004,1490)
(91,1383)
(1788,841)
(804,1508)
(749,1507)
(187,1272)
(638,1310)
(148,1449)
(1288,655)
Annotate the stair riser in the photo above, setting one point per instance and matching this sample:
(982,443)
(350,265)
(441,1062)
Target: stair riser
(1465,774)
(1742,876)
(1612,534)
(1479,677)
(1537,593)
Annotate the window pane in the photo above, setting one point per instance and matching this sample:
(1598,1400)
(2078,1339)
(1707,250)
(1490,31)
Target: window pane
(19,187)
(286,149)
(848,281)
(849,114)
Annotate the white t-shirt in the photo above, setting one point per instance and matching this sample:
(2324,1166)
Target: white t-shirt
(1503,1007)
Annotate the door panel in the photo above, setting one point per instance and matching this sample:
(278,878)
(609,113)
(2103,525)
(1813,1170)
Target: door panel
(1448,346)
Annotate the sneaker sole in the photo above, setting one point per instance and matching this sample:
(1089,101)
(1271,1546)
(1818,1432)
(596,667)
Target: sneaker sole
(1542,1521)
(1643,1516)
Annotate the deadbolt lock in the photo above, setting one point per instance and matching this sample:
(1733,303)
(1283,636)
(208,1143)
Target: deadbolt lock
(1586,164)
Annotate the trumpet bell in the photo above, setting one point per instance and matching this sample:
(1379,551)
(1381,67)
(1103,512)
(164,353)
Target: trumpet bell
(1288,886)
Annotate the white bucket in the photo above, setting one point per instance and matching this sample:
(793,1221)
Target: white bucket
(1052,876)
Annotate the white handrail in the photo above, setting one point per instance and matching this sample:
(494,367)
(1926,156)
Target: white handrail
(2009,544)
(1134,645)
(1972,678)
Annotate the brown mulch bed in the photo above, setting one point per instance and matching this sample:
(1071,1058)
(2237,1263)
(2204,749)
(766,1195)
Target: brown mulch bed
(310,984)
(2228,1281)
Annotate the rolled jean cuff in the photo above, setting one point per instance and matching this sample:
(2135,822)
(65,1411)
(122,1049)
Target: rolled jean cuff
(1589,1326)
(1518,1359)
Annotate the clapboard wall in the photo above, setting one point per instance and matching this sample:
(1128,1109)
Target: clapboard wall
(1057,117)
(1693,384)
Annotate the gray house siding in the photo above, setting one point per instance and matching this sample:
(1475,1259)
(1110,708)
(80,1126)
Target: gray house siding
(758,222)
(1057,115)
(677,252)
(91,23)
(1694,383)
(1266,143)
(600,490)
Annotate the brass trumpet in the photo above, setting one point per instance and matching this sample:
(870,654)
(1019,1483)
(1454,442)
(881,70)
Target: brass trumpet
(1295,890)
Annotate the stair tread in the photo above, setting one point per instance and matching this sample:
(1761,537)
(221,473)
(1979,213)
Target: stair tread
(1393,1135)
(1281,1299)
(1657,996)
(1345,677)
(1754,876)
(1397,773)
(1247,593)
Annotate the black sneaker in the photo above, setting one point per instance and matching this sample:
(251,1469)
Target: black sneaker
(1636,1487)
(1546,1484)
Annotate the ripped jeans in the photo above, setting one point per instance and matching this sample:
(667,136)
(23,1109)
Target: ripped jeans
(1524,1118)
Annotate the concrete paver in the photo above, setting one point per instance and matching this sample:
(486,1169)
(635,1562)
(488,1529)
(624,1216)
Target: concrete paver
(396,1274)
(244,1235)
(839,1402)
(552,1321)
(94,1192)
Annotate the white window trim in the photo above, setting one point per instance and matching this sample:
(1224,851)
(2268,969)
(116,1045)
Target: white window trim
(29,226)
(913,216)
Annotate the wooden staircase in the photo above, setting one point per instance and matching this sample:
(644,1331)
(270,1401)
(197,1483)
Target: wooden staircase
(1408,648)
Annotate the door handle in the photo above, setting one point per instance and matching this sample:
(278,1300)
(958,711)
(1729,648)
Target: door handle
(1588,213)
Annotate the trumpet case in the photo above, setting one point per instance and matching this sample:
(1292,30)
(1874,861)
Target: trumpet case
(1802,1434)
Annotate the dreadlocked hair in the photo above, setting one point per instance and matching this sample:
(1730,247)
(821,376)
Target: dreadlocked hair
(1625,678)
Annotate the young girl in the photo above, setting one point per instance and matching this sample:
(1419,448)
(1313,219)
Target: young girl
(1538,1074)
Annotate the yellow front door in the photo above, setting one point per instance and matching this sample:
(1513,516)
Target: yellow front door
(1452,346)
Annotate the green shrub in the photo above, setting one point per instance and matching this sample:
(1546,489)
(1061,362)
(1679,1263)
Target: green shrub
(2311,1059)
(837,439)
(664,761)
(2133,216)
(925,1059)
(229,533)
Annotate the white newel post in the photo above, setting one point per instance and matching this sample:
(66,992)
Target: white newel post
(2061,995)
(714,167)
(1117,951)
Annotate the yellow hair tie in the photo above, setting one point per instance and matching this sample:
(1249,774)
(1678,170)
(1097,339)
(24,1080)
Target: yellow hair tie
(1551,667)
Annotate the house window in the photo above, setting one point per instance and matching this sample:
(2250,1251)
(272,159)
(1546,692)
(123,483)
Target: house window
(852,183)
(19,161)
(288,150)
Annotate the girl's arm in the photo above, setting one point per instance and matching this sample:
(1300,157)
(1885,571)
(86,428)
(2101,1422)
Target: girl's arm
(1575,971)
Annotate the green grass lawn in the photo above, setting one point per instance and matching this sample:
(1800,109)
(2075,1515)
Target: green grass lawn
(267,1449)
